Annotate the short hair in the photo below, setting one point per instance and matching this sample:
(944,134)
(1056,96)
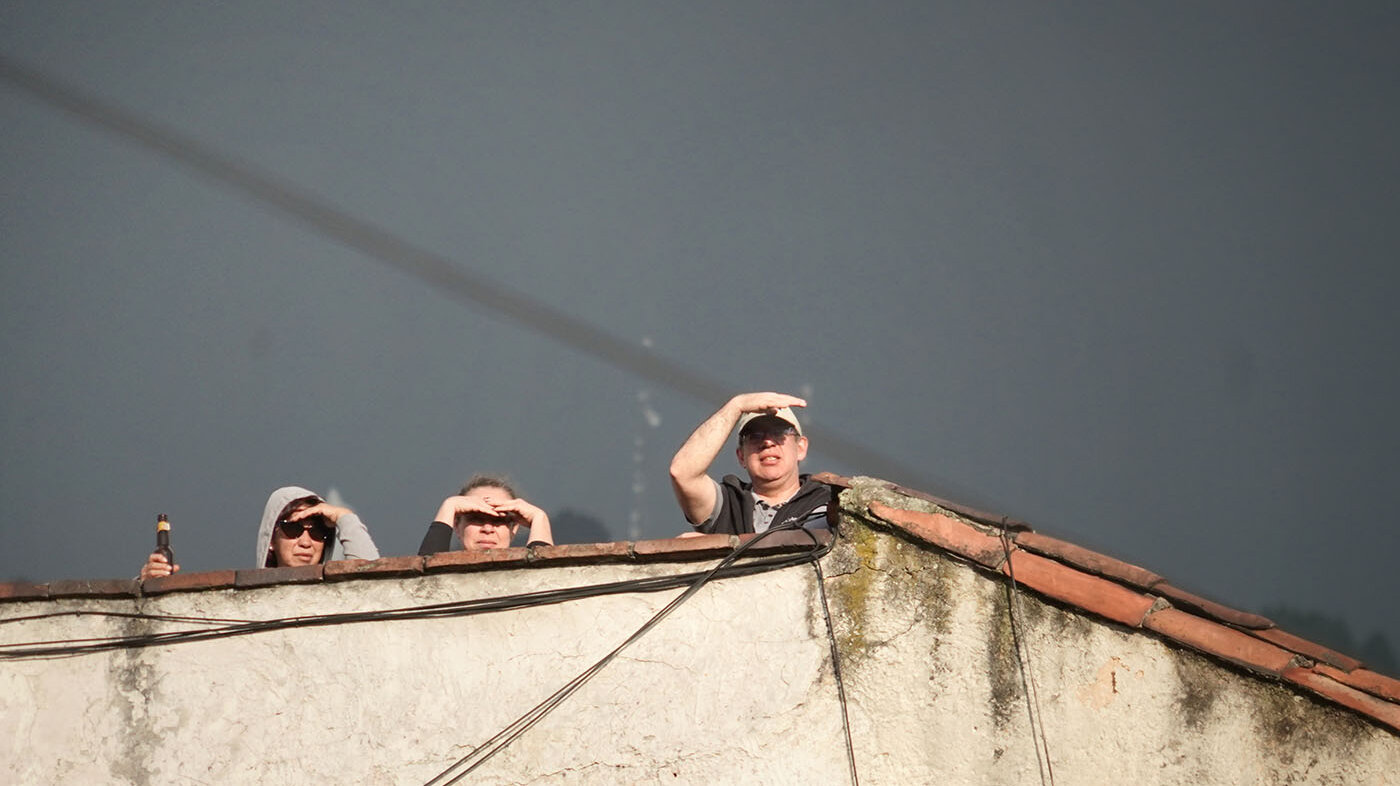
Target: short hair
(482,479)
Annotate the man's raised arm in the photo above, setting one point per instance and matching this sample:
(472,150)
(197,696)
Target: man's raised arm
(689,479)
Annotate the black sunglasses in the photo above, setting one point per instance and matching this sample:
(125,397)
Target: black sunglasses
(316,527)
(759,436)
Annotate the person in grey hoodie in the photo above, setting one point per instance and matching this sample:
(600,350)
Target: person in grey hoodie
(296,528)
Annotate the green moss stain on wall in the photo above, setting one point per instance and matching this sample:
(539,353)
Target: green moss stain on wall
(1295,729)
(888,566)
(1290,725)
(1003,674)
(876,576)
(132,681)
(850,577)
(1200,682)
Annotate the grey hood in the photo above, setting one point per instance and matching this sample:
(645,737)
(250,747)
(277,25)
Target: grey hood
(351,541)
(276,503)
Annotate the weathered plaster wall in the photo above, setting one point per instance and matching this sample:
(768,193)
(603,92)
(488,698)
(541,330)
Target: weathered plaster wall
(710,693)
(735,687)
(928,641)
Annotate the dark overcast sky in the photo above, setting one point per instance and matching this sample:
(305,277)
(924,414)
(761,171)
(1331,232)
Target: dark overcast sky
(1125,271)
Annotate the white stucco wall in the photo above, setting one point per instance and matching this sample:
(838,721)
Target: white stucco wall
(709,691)
(929,659)
(735,687)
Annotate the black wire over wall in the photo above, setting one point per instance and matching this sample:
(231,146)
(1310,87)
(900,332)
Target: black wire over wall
(728,567)
(230,628)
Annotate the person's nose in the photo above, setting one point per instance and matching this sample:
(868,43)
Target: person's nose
(305,540)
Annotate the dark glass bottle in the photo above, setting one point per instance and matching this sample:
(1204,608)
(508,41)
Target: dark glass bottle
(163,538)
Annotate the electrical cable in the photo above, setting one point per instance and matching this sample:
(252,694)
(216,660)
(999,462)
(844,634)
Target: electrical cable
(693,581)
(1037,717)
(126,614)
(442,273)
(836,671)
(75,647)
(498,742)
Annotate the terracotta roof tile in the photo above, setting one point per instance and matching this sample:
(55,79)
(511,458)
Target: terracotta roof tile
(832,479)
(22,590)
(267,577)
(1380,710)
(183,582)
(1219,640)
(698,547)
(701,547)
(579,553)
(1066,584)
(1085,559)
(384,567)
(1210,608)
(979,516)
(1304,647)
(475,559)
(92,588)
(1057,569)
(1060,570)
(1364,679)
(947,533)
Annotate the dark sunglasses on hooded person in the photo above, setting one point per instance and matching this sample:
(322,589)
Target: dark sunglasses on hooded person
(317,527)
(305,529)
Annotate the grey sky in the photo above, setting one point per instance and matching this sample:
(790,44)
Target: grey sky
(1121,271)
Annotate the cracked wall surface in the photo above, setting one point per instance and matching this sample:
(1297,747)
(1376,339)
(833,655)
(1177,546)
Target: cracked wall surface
(736,686)
(733,685)
(938,693)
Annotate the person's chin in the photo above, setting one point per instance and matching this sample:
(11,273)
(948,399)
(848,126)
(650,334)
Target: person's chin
(768,471)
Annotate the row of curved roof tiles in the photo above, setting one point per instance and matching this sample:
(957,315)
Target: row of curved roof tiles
(1069,574)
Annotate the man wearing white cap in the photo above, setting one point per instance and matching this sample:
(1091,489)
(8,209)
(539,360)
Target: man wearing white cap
(770,446)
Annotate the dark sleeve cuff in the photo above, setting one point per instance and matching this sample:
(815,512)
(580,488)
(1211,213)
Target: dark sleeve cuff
(437,539)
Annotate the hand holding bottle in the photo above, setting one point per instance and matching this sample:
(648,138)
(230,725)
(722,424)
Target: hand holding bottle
(161,563)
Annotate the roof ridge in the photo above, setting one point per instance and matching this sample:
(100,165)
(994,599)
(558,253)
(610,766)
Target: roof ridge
(1140,599)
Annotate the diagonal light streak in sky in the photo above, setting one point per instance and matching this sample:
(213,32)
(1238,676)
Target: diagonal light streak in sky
(438,271)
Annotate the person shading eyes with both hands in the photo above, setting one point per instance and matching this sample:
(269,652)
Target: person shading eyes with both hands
(486,514)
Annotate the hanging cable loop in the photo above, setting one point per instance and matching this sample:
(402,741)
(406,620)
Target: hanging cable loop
(484,752)
(1017,617)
